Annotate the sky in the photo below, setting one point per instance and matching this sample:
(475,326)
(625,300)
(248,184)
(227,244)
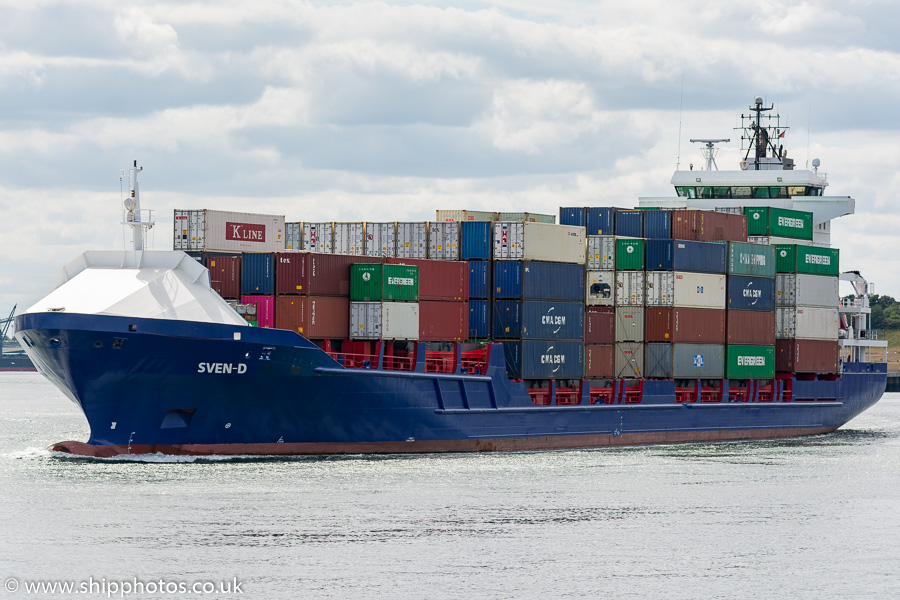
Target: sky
(354,111)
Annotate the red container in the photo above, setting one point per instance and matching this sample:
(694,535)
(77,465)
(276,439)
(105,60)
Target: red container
(314,317)
(265,309)
(443,321)
(439,279)
(600,325)
(806,356)
(225,275)
(599,361)
(751,327)
(708,226)
(684,325)
(314,274)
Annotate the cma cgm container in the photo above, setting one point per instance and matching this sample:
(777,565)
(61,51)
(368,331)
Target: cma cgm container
(258,274)
(221,231)
(319,237)
(475,240)
(412,240)
(384,283)
(751,293)
(314,274)
(629,288)
(781,222)
(479,279)
(684,361)
(544,359)
(630,254)
(314,317)
(479,319)
(465,215)
(600,288)
(443,240)
(443,321)
(806,356)
(599,325)
(807,323)
(265,309)
(629,360)
(533,280)
(599,361)
(538,320)
(698,290)
(439,279)
(601,253)
(572,215)
(806,290)
(658,224)
(751,259)
(381,239)
(685,255)
(750,362)
(630,223)
(224,275)
(349,238)
(600,220)
(708,226)
(750,327)
(809,260)
(539,241)
(629,324)
(384,320)
(293,236)
(698,325)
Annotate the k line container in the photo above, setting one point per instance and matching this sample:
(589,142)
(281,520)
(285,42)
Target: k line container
(293,236)
(572,215)
(600,288)
(751,259)
(534,280)
(539,241)
(601,253)
(658,224)
(806,356)
(479,279)
(443,240)
(629,324)
(629,360)
(314,317)
(685,255)
(630,223)
(806,290)
(629,288)
(526,217)
(475,240)
(439,279)
(629,254)
(807,323)
(384,283)
(782,222)
(684,325)
(384,320)
(381,239)
(265,309)
(349,238)
(221,231)
(599,325)
(698,290)
(808,260)
(319,237)
(599,361)
(412,240)
(465,215)
(479,319)
(708,226)
(750,362)
(698,361)
(538,319)
(443,321)
(258,274)
(314,274)
(544,359)
(750,327)
(751,293)
(225,275)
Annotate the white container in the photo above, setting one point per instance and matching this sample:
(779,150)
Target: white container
(381,239)
(807,323)
(384,320)
(698,290)
(600,288)
(221,231)
(539,241)
(806,290)
(731,210)
(465,215)
(526,217)
(601,252)
(629,360)
(443,240)
(318,237)
(773,240)
(629,288)
(660,288)
(293,236)
(412,240)
(629,324)
(349,238)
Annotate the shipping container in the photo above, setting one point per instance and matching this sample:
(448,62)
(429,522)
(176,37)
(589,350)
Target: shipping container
(381,239)
(293,236)
(314,274)
(750,327)
(384,320)
(441,321)
(265,309)
(258,274)
(630,254)
(806,290)
(658,360)
(629,360)
(412,240)
(544,359)
(685,255)
(782,222)
(630,223)
(538,320)
(479,319)
(599,361)
(601,253)
(750,362)
(572,215)
(480,279)
(629,288)
(684,325)
(708,226)
(600,288)
(220,231)
(534,280)
(465,215)
(599,325)
(698,361)
(224,274)
(658,224)
(439,279)
(659,288)
(751,259)
(629,324)
(698,290)
(600,220)
(807,356)
(443,240)
(807,323)
(526,217)
(314,317)
(539,241)
(775,241)
(318,237)
(751,293)
(808,260)
(475,240)
(349,238)
(384,283)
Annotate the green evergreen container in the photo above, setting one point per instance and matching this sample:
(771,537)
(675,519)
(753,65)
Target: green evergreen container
(750,362)
(629,254)
(807,260)
(384,283)
(757,260)
(778,222)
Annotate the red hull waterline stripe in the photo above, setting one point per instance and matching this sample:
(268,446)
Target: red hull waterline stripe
(485,445)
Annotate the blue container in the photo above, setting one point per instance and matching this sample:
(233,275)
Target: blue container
(544,359)
(684,255)
(751,293)
(600,220)
(479,279)
(630,223)
(258,274)
(658,224)
(531,280)
(572,216)
(475,241)
(537,320)
(479,319)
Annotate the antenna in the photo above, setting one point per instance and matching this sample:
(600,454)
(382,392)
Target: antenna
(680,112)
(710,151)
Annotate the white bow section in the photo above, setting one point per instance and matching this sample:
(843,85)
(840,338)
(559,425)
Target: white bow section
(150,285)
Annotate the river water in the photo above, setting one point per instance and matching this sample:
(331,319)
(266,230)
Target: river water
(804,518)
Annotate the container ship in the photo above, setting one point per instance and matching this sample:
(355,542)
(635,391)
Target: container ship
(708,316)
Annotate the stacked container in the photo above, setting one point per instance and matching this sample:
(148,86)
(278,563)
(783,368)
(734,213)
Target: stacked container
(384,302)
(443,298)
(381,239)
(443,240)
(751,311)
(349,238)
(293,236)
(476,247)
(220,231)
(412,240)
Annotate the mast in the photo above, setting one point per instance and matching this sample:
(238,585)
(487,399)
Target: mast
(132,205)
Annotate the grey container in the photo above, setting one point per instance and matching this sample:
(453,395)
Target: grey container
(381,239)
(806,290)
(629,323)
(629,360)
(384,320)
(698,361)
(659,288)
(601,252)
(600,288)
(293,236)
(412,240)
(318,237)
(443,240)
(658,360)
(629,288)
(349,238)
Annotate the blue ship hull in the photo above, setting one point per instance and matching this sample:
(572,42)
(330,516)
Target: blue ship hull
(148,385)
